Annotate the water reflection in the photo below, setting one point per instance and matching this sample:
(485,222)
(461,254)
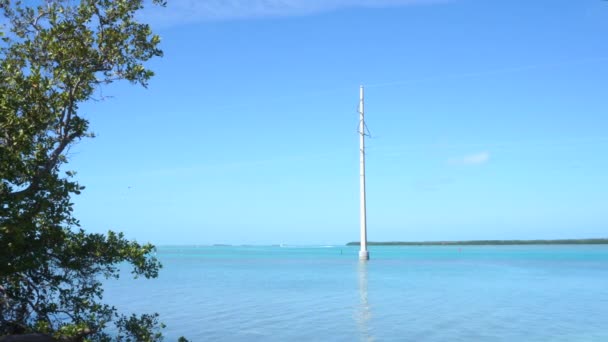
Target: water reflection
(363,314)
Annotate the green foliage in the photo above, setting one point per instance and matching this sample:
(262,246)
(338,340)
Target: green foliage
(54,57)
(138,329)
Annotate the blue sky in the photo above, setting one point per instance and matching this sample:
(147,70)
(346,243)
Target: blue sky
(488,121)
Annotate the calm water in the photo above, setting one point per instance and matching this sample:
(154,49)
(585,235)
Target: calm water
(487,293)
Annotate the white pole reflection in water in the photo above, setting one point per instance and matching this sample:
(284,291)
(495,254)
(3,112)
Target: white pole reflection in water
(363,314)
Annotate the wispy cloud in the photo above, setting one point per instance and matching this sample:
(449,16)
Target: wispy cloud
(191,11)
(471,159)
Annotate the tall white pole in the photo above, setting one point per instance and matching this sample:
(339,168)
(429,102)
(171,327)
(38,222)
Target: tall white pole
(363,253)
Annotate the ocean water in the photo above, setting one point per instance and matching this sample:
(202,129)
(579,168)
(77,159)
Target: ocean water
(427,293)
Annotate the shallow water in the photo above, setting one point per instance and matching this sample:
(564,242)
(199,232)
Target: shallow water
(426,293)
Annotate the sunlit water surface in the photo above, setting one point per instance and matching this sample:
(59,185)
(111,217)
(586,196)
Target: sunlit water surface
(431,293)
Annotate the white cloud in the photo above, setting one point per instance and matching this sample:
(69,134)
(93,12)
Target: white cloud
(191,11)
(472,159)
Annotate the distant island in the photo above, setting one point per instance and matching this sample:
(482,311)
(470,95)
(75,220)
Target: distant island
(487,242)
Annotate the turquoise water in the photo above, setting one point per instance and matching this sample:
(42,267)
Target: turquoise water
(429,293)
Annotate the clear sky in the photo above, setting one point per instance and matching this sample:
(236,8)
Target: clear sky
(489,120)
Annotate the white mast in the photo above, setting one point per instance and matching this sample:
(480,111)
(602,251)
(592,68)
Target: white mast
(363,253)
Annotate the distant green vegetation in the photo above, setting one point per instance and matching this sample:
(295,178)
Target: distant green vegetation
(488,242)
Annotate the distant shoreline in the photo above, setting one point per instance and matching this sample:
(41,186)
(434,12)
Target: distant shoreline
(487,242)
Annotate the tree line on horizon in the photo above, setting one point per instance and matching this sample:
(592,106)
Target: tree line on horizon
(600,241)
